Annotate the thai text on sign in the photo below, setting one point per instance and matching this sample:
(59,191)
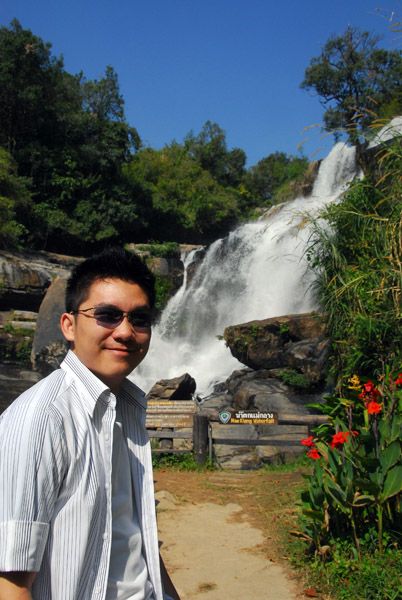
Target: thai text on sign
(170,413)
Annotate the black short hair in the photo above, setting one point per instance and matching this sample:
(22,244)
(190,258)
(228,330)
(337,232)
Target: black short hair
(112,263)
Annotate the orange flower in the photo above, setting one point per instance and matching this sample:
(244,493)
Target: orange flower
(373,408)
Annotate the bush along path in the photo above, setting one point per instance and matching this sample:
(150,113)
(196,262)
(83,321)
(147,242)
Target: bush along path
(352,512)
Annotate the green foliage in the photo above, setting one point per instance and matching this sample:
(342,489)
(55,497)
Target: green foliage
(375,577)
(89,182)
(297,380)
(356,254)
(267,180)
(180,462)
(70,137)
(187,203)
(165,250)
(356,482)
(14,197)
(9,328)
(164,289)
(209,150)
(353,78)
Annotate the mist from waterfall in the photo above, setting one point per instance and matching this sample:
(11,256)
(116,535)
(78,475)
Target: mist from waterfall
(257,271)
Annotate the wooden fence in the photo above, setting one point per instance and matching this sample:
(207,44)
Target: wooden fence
(203,439)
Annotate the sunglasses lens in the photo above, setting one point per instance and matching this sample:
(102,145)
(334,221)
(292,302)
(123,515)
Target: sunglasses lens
(140,320)
(108,316)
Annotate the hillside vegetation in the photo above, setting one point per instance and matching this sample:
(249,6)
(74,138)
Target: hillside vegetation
(74,173)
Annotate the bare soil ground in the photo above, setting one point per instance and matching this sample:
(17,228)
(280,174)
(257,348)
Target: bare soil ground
(219,534)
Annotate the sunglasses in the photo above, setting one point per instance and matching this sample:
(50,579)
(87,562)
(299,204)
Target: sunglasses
(112,317)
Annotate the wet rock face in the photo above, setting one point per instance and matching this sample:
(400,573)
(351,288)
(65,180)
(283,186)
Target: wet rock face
(25,277)
(298,342)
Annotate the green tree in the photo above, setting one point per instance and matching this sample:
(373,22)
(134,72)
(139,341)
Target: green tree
(209,150)
(266,178)
(187,203)
(14,198)
(355,79)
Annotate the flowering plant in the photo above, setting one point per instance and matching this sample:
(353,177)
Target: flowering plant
(357,464)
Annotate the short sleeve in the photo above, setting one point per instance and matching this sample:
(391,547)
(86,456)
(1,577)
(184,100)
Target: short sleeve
(31,473)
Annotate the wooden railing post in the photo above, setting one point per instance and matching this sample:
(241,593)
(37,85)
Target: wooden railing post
(200,438)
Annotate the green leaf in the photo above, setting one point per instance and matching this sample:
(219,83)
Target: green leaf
(392,484)
(314,514)
(368,486)
(363,500)
(337,493)
(390,456)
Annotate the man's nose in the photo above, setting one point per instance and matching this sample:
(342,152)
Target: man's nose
(124,329)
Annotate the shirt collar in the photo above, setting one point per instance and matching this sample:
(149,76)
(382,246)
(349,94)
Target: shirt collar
(94,389)
(132,393)
(97,390)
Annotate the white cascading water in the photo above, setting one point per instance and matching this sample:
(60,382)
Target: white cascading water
(258,271)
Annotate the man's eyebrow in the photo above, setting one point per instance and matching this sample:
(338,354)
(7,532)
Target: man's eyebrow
(141,308)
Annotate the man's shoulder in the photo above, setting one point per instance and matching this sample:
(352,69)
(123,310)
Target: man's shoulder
(43,394)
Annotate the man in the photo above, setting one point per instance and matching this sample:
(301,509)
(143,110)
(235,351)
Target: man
(77,511)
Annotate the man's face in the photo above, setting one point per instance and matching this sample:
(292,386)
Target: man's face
(110,353)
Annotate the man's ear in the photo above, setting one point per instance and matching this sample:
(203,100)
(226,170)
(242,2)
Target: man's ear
(67,326)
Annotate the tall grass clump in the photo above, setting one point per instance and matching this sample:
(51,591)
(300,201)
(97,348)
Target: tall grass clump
(356,254)
(352,506)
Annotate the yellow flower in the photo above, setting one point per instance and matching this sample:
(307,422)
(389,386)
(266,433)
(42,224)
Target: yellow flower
(355,383)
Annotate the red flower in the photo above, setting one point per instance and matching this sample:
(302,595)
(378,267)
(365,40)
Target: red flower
(399,379)
(308,442)
(338,439)
(373,408)
(369,393)
(313,454)
(369,387)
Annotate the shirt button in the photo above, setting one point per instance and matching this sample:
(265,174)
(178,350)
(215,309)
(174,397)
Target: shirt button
(104,536)
(107,486)
(107,437)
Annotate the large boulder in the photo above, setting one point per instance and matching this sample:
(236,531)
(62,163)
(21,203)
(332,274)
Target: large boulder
(299,342)
(25,277)
(49,345)
(178,388)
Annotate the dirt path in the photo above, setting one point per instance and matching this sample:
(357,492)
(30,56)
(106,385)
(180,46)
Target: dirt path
(214,536)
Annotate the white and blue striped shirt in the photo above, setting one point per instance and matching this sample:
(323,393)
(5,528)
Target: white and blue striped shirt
(55,477)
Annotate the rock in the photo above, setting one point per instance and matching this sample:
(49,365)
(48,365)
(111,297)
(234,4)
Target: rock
(217,403)
(296,341)
(261,391)
(179,388)
(49,345)
(170,267)
(14,380)
(164,500)
(231,456)
(25,277)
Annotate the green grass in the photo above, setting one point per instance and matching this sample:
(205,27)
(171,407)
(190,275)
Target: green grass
(179,462)
(341,577)
(301,463)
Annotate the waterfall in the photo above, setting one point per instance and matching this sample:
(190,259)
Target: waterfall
(257,271)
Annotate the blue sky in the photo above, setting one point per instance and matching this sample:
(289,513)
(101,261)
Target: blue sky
(182,62)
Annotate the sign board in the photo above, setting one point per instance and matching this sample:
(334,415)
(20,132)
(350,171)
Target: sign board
(248,417)
(170,413)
